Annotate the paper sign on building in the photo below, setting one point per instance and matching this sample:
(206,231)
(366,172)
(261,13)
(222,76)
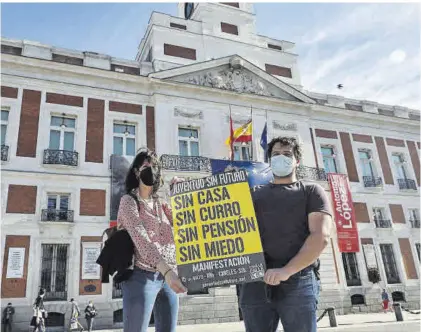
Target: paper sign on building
(215,231)
(90,254)
(15,263)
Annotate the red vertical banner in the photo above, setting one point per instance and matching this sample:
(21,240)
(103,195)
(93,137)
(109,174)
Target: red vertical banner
(346,225)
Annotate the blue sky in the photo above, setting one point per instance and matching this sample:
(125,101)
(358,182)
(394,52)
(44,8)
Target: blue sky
(372,49)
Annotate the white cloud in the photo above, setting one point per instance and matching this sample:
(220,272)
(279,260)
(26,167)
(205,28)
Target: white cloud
(397,56)
(372,49)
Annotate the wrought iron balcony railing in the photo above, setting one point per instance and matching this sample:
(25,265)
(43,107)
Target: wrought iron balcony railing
(311,173)
(185,163)
(415,223)
(60,157)
(371,181)
(4,152)
(57,215)
(382,223)
(203,164)
(407,184)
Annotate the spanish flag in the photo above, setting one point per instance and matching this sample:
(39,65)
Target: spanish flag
(241,135)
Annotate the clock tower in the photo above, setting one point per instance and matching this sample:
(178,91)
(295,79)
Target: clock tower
(211,14)
(207,31)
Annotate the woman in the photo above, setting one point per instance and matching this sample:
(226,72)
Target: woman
(154,284)
(74,318)
(90,313)
(40,314)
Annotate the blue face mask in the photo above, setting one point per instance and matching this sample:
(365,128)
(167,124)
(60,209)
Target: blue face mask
(281,165)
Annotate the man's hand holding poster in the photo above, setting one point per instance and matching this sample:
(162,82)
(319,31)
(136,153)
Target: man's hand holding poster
(216,232)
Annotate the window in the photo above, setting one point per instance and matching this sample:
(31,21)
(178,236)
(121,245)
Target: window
(351,269)
(57,208)
(380,220)
(54,271)
(54,319)
(188,142)
(242,151)
(414,218)
(368,171)
(117,290)
(398,297)
(124,139)
(118,316)
(329,161)
(357,299)
(418,248)
(62,133)
(389,262)
(399,164)
(4,123)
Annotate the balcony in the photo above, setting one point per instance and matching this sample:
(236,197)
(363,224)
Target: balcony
(382,223)
(57,215)
(4,152)
(415,223)
(407,184)
(203,164)
(372,182)
(60,157)
(185,163)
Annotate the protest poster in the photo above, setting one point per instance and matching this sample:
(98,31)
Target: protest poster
(215,231)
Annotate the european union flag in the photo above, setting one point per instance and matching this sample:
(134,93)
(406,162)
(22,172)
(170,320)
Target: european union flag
(264,141)
(258,173)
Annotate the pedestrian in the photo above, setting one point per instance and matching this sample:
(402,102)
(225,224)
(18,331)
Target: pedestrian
(7,318)
(40,314)
(154,283)
(295,221)
(385,301)
(90,313)
(74,318)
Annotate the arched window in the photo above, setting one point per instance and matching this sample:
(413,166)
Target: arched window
(398,297)
(357,299)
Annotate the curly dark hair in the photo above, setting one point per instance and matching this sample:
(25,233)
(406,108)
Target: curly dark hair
(286,141)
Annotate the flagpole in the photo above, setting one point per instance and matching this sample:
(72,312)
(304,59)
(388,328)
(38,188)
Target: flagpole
(252,152)
(266,157)
(231,137)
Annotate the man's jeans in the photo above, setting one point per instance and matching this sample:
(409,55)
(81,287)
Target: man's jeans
(146,291)
(293,302)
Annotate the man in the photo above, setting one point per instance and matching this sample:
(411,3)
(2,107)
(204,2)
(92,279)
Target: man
(90,313)
(294,222)
(7,319)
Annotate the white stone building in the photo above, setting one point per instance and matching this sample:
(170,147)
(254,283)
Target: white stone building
(65,112)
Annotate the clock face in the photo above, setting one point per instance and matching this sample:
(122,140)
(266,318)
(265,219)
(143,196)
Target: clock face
(188,10)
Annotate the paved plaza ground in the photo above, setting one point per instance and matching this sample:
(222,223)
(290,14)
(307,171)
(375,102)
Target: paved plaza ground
(379,322)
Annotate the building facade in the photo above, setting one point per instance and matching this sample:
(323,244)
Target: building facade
(65,112)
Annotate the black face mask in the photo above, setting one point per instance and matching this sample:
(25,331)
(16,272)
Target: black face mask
(149,176)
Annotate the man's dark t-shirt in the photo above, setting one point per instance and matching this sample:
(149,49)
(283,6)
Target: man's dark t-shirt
(282,214)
